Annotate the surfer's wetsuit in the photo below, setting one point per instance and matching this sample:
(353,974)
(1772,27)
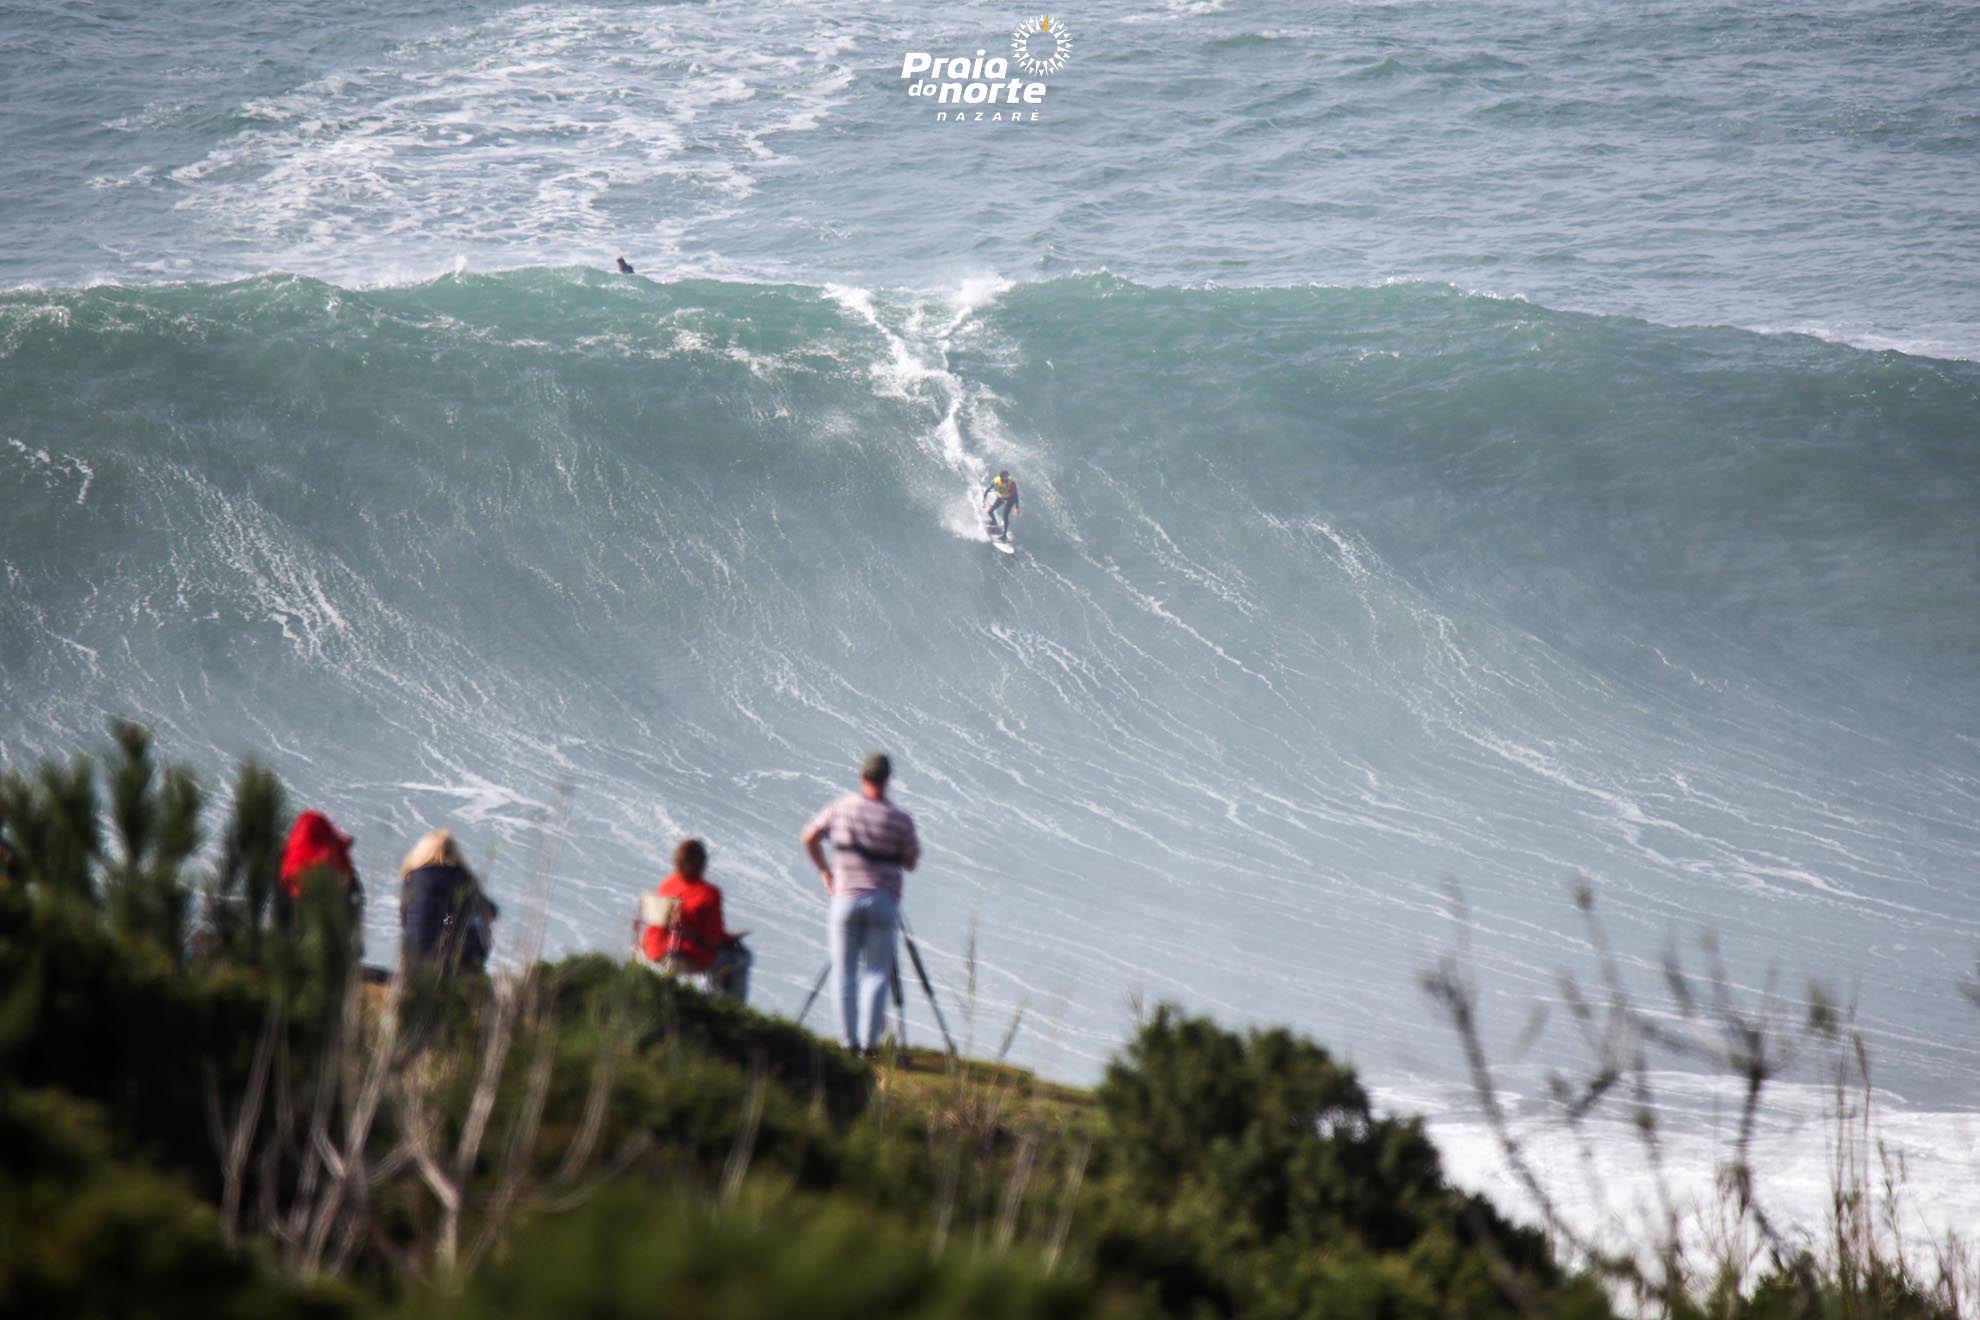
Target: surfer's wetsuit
(1006,492)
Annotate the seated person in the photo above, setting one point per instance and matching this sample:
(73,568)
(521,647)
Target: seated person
(698,937)
(445,921)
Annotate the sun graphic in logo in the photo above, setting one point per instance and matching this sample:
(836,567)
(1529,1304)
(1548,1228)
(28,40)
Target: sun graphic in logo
(1041,46)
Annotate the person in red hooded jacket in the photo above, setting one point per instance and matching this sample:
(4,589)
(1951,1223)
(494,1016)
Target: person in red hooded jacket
(700,939)
(317,847)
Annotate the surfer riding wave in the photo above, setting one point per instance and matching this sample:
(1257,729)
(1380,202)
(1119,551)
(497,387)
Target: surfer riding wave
(1000,496)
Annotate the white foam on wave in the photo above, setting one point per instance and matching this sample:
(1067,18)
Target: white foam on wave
(286,582)
(479,800)
(512,137)
(975,293)
(20,320)
(1171,10)
(1950,344)
(1947,343)
(1919,1169)
(55,467)
(918,332)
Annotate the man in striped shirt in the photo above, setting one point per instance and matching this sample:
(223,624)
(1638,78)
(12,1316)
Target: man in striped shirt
(873,842)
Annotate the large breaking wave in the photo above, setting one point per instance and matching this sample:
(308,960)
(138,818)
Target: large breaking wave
(1325,598)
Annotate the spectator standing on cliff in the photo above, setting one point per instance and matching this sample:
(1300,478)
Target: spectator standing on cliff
(873,843)
(319,853)
(445,920)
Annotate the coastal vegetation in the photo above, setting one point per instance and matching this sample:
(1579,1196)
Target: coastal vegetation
(209,1109)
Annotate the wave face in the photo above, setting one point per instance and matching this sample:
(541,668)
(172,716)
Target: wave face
(1325,598)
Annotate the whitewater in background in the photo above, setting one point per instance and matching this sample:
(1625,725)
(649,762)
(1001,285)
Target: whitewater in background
(1420,490)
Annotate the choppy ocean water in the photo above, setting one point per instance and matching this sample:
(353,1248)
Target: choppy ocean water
(1474,443)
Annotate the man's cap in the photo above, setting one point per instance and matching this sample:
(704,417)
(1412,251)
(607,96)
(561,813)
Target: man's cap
(876,768)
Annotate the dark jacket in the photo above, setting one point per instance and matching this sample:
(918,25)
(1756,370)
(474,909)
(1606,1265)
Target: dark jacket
(444,918)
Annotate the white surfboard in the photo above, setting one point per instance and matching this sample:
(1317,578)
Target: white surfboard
(1005,546)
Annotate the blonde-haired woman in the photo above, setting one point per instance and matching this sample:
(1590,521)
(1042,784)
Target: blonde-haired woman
(444,918)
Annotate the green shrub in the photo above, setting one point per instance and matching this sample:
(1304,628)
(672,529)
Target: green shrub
(1249,1175)
(84,1235)
(157,828)
(116,1023)
(669,1015)
(641,1255)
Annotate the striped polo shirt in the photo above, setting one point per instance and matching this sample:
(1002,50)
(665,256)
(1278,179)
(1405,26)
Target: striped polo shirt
(869,839)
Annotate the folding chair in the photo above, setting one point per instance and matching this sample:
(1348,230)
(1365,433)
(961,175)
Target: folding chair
(662,912)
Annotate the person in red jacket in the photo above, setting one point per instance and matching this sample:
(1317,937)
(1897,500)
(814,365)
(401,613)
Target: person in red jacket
(317,847)
(699,938)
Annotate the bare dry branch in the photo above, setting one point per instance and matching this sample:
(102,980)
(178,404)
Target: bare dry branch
(1068,1198)
(744,1148)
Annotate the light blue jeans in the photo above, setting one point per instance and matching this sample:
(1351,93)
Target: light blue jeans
(862,937)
